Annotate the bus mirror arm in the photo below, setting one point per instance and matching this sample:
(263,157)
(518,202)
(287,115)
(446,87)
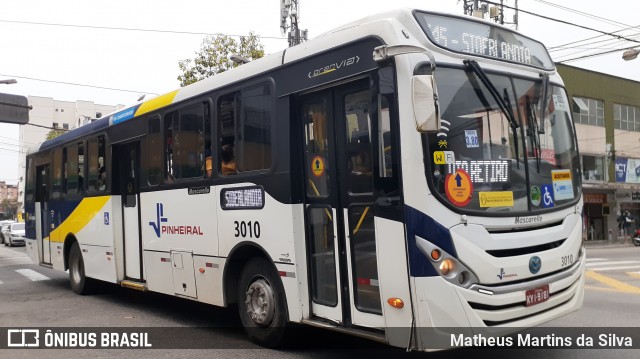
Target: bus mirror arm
(385,52)
(424,91)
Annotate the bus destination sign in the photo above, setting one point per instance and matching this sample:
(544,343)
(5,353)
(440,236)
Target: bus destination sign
(483,39)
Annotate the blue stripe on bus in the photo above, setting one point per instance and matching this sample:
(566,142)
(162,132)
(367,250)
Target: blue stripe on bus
(124,115)
(419,224)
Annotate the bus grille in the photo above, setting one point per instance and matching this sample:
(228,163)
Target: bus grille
(515,310)
(501,253)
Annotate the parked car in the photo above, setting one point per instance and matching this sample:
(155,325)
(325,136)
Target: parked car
(4,227)
(15,235)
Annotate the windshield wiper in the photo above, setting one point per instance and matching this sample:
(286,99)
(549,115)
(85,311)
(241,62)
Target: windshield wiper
(543,106)
(533,131)
(503,102)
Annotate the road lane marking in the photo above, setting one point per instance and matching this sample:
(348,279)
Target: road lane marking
(634,274)
(611,262)
(605,289)
(33,275)
(620,286)
(600,269)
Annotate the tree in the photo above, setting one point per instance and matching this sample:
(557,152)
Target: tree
(54,133)
(9,207)
(213,56)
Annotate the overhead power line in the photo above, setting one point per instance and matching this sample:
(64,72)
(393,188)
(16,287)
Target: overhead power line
(594,40)
(565,22)
(598,54)
(613,22)
(133,29)
(78,84)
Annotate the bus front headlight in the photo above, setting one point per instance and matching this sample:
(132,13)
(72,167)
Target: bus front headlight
(450,268)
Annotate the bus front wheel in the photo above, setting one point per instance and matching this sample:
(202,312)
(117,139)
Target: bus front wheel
(262,304)
(80,284)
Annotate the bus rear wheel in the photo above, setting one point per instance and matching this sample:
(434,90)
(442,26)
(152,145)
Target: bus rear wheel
(80,284)
(261,303)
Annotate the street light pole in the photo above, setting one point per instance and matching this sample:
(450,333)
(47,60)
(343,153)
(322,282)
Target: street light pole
(8,81)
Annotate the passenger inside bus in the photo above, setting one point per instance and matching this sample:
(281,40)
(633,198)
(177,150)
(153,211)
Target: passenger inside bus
(102,179)
(208,163)
(228,158)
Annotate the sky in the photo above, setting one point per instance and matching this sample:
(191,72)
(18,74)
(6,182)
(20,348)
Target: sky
(128,63)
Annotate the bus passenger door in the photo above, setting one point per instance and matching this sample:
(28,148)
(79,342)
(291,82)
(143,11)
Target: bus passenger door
(341,240)
(128,159)
(43,215)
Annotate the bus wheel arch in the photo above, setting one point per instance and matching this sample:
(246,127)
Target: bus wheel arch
(252,278)
(74,262)
(239,255)
(68,243)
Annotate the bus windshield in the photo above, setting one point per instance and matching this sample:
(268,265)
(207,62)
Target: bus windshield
(482,162)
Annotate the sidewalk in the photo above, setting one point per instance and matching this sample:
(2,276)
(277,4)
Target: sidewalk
(604,243)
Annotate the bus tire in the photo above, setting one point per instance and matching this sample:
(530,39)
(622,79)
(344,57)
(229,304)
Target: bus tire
(80,284)
(262,304)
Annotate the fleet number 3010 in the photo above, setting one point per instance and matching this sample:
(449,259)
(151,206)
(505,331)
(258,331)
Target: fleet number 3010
(567,260)
(247,229)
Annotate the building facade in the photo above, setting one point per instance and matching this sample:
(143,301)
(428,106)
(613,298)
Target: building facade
(8,196)
(8,191)
(606,111)
(47,114)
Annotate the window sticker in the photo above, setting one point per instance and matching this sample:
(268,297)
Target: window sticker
(496,199)
(317,166)
(536,195)
(458,187)
(559,104)
(444,157)
(471,138)
(547,196)
(562,184)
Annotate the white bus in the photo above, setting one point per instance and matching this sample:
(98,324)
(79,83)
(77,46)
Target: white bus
(409,170)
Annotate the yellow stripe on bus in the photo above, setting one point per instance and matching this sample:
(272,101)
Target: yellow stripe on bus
(79,218)
(156,103)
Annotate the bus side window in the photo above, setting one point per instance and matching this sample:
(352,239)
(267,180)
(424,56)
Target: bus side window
(359,142)
(227,133)
(57,173)
(70,157)
(153,153)
(80,167)
(97,170)
(384,138)
(185,144)
(245,122)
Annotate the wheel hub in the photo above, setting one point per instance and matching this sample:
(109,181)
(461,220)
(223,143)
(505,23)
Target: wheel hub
(260,302)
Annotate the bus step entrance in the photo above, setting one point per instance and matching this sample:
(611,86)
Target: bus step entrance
(134,285)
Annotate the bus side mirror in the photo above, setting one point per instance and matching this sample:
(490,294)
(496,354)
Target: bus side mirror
(425,103)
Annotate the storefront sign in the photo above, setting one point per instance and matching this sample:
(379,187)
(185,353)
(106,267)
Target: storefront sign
(595,198)
(628,196)
(621,169)
(627,170)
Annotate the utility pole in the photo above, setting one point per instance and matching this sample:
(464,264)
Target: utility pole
(479,8)
(289,17)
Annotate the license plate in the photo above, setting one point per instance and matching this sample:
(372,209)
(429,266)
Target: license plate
(537,295)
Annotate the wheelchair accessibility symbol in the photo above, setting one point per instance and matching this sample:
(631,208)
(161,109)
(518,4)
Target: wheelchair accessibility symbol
(547,196)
